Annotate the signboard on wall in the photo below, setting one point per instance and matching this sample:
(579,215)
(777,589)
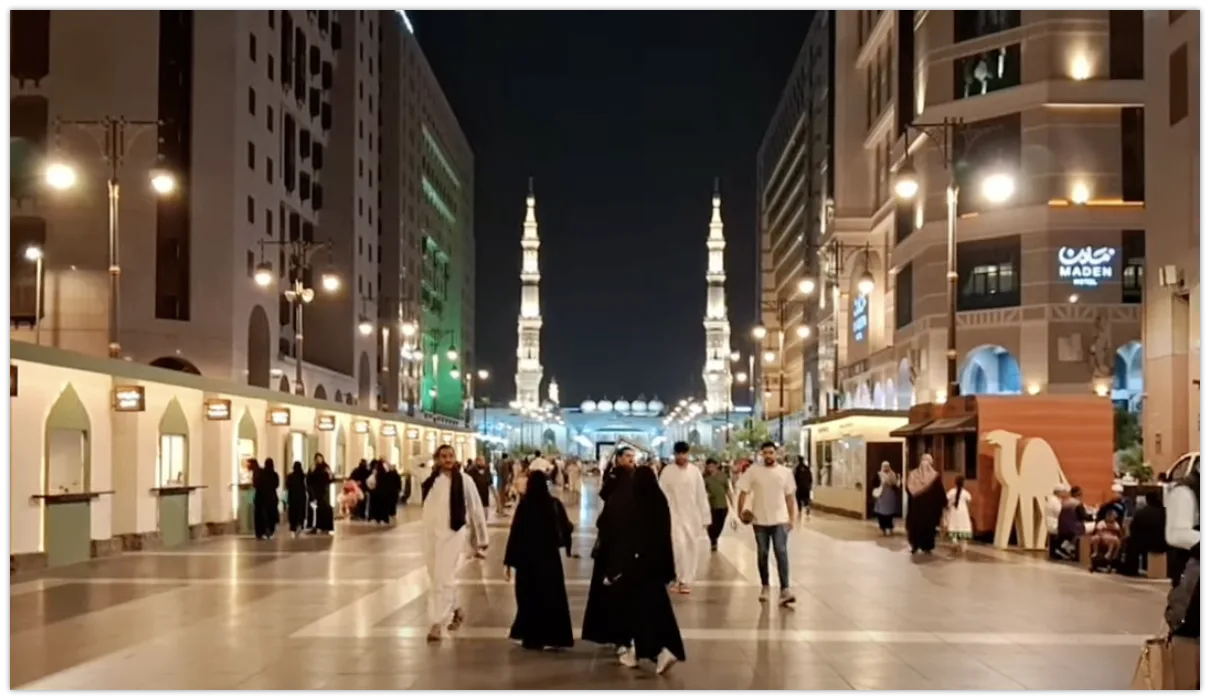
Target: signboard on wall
(413,434)
(218,409)
(389,430)
(129,399)
(278,416)
(361,427)
(861,317)
(325,423)
(1088,266)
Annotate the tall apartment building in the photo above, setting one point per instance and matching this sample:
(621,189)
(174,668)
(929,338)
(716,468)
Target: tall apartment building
(269,122)
(1049,281)
(794,167)
(1172,330)
(428,232)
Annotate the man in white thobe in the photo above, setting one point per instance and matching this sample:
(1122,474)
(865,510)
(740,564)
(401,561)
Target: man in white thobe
(449,533)
(689,509)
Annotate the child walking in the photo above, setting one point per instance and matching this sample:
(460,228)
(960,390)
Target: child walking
(958,514)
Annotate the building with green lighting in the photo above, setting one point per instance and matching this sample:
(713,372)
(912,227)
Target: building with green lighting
(428,260)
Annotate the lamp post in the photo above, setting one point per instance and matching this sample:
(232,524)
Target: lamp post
(438,338)
(111,136)
(34,253)
(483,375)
(839,253)
(997,188)
(298,259)
(779,307)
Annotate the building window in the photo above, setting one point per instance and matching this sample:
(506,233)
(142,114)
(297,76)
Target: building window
(251,264)
(1178,85)
(251,156)
(268,223)
(1125,44)
(251,210)
(252,101)
(903,296)
(272,17)
(269,67)
(972,24)
(989,71)
(269,170)
(1134,183)
(252,47)
(1174,15)
(1134,251)
(269,118)
(988,273)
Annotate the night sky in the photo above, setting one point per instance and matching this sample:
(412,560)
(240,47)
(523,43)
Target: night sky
(623,119)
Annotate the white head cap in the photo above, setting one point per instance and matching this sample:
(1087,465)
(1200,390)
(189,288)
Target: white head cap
(1062,488)
(1116,488)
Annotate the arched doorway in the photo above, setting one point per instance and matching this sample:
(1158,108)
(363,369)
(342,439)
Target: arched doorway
(338,397)
(67,527)
(1128,376)
(258,348)
(284,385)
(863,396)
(241,479)
(549,441)
(363,381)
(172,473)
(989,369)
(176,364)
(321,392)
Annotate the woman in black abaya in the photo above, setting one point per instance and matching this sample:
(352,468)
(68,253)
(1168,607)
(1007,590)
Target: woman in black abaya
(539,530)
(602,615)
(318,482)
(296,498)
(641,566)
(926,504)
(265,512)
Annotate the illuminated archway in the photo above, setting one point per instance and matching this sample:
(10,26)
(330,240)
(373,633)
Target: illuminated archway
(1128,375)
(990,369)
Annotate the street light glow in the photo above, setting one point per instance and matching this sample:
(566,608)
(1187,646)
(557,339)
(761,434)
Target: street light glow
(483,374)
(998,188)
(759,332)
(33,253)
(263,275)
(806,286)
(408,328)
(906,182)
(364,326)
(163,182)
(770,356)
(60,176)
(803,331)
(865,285)
(741,377)
(330,281)
(734,356)
(452,354)
(454,373)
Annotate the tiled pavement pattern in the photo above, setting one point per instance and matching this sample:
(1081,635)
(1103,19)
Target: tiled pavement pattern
(348,613)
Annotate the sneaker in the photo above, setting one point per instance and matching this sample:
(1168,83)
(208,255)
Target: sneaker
(764,593)
(787,597)
(628,659)
(664,661)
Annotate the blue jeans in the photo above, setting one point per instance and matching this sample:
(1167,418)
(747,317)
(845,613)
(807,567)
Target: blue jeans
(777,534)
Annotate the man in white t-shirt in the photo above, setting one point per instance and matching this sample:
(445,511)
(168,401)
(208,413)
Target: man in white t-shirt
(767,493)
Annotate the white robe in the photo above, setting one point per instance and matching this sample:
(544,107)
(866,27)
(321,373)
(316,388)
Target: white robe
(444,549)
(690,510)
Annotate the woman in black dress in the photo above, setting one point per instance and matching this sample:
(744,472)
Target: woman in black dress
(265,504)
(926,504)
(540,529)
(319,481)
(296,498)
(602,615)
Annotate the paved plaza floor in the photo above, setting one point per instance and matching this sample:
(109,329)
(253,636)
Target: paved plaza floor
(347,613)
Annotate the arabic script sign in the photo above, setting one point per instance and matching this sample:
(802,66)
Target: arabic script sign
(1087,266)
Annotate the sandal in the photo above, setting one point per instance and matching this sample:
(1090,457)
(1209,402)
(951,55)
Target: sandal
(457,621)
(434,634)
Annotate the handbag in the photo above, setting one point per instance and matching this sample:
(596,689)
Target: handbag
(1150,672)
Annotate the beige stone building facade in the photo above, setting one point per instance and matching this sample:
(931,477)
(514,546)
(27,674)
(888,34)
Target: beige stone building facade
(1172,329)
(1049,286)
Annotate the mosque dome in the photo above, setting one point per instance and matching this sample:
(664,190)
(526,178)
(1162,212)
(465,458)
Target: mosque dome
(588,406)
(621,406)
(604,405)
(655,406)
(638,407)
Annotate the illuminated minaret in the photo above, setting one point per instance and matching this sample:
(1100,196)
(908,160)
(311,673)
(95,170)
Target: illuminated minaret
(717,372)
(529,322)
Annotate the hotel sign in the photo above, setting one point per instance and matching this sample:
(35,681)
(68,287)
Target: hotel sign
(1087,266)
(325,423)
(279,416)
(129,399)
(861,317)
(218,409)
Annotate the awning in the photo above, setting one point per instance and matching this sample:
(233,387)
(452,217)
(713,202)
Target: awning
(910,430)
(946,426)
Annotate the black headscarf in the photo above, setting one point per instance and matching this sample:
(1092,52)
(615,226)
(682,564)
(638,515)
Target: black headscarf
(457,491)
(536,526)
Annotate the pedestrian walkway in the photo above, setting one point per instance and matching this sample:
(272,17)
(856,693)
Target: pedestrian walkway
(348,613)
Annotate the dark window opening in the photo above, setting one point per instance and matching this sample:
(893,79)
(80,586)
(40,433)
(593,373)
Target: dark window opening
(26,231)
(1178,85)
(173,298)
(1134,182)
(903,296)
(30,52)
(983,73)
(972,24)
(28,129)
(1134,252)
(1125,44)
(989,273)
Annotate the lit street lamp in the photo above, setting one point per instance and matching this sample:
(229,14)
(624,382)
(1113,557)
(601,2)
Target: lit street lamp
(34,254)
(996,187)
(111,136)
(298,259)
